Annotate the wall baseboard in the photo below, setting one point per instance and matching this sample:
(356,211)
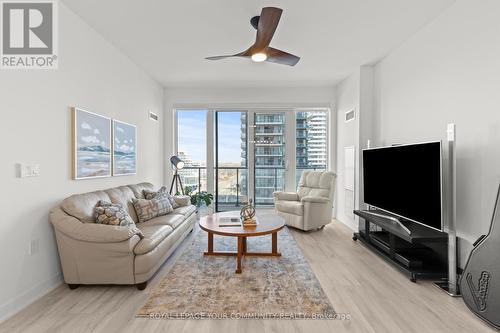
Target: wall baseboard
(13,306)
(353,225)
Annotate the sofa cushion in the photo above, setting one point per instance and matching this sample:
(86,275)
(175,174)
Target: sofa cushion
(138,188)
(291,207)
(146,265)
(163,190)
(173,220)
(153,235)
(123,195)
(148,209)
(82,206)
(185,210)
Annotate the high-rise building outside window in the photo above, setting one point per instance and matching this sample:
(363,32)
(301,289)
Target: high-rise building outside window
(311,141)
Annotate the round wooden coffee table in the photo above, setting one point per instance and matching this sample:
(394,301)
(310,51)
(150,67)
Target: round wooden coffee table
(267,224)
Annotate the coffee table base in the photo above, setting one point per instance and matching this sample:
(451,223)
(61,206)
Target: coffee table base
(242,250)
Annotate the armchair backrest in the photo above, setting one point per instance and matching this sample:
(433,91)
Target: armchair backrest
(317,184)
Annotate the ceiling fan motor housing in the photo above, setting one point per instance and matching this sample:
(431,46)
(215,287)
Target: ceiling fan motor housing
(254,21)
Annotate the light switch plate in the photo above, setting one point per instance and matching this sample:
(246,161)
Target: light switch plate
(28,170)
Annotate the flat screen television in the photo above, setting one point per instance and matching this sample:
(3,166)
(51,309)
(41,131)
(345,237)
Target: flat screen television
(405,180)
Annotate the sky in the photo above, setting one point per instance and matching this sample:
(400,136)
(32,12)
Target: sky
(93,130)
(229,129)
(124,137)
(192,135)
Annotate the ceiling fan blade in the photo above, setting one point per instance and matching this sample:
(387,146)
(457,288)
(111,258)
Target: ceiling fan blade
(281,57)
(241,54)
(268,22)
(219,57)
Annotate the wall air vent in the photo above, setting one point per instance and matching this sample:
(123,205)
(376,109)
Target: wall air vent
(350,115)
(153,116)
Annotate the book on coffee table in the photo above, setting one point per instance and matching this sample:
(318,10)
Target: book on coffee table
(228,221)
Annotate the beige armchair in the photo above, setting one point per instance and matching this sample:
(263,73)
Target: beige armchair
(311,207)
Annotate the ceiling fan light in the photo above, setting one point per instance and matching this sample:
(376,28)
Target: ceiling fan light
(259,57)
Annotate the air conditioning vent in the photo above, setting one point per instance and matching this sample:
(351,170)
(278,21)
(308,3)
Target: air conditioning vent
(153,116)
(350,115)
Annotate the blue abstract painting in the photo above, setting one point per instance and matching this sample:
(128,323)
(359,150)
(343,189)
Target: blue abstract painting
(124,149)
(92,145)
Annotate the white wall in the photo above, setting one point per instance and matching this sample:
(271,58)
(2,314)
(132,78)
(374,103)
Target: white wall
(35,127)
(450,72)
(348,99)
(245,98)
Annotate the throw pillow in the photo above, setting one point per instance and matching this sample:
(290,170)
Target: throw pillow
(113,214)
(183,200)
(148,209)
(163,190)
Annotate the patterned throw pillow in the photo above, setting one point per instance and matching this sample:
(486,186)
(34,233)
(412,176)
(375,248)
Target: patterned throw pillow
(151,194)
(109,213)
(148,209)
(113,214)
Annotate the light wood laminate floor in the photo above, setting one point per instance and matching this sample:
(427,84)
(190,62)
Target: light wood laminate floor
(378,298)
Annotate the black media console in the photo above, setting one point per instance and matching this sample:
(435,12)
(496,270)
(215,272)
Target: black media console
(422,254)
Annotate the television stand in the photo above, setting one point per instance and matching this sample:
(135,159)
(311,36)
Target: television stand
(416,250)
(390,218)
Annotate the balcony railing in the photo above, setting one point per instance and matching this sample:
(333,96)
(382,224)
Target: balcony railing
(267,180)
(232,191)
(268,133)
(194,177)
(231,187)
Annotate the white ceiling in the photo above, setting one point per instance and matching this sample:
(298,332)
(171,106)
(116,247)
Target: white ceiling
(170,39)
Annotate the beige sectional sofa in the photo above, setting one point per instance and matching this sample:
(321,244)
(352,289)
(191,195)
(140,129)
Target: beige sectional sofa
(93,253)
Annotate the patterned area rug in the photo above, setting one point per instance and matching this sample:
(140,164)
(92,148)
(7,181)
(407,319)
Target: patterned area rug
(201,286)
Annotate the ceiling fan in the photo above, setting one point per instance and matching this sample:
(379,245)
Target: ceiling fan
(266,25)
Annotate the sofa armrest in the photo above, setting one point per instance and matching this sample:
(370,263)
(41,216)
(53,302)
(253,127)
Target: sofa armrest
(288,196)
(91,232)
(182,200)
(314,199)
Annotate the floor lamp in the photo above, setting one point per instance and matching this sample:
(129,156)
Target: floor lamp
(178,164)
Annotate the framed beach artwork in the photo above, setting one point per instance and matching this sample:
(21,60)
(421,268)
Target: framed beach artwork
(124,148)
(91,145)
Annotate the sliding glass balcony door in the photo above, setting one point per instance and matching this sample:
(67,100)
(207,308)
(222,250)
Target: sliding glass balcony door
(231,165)
(269,156)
